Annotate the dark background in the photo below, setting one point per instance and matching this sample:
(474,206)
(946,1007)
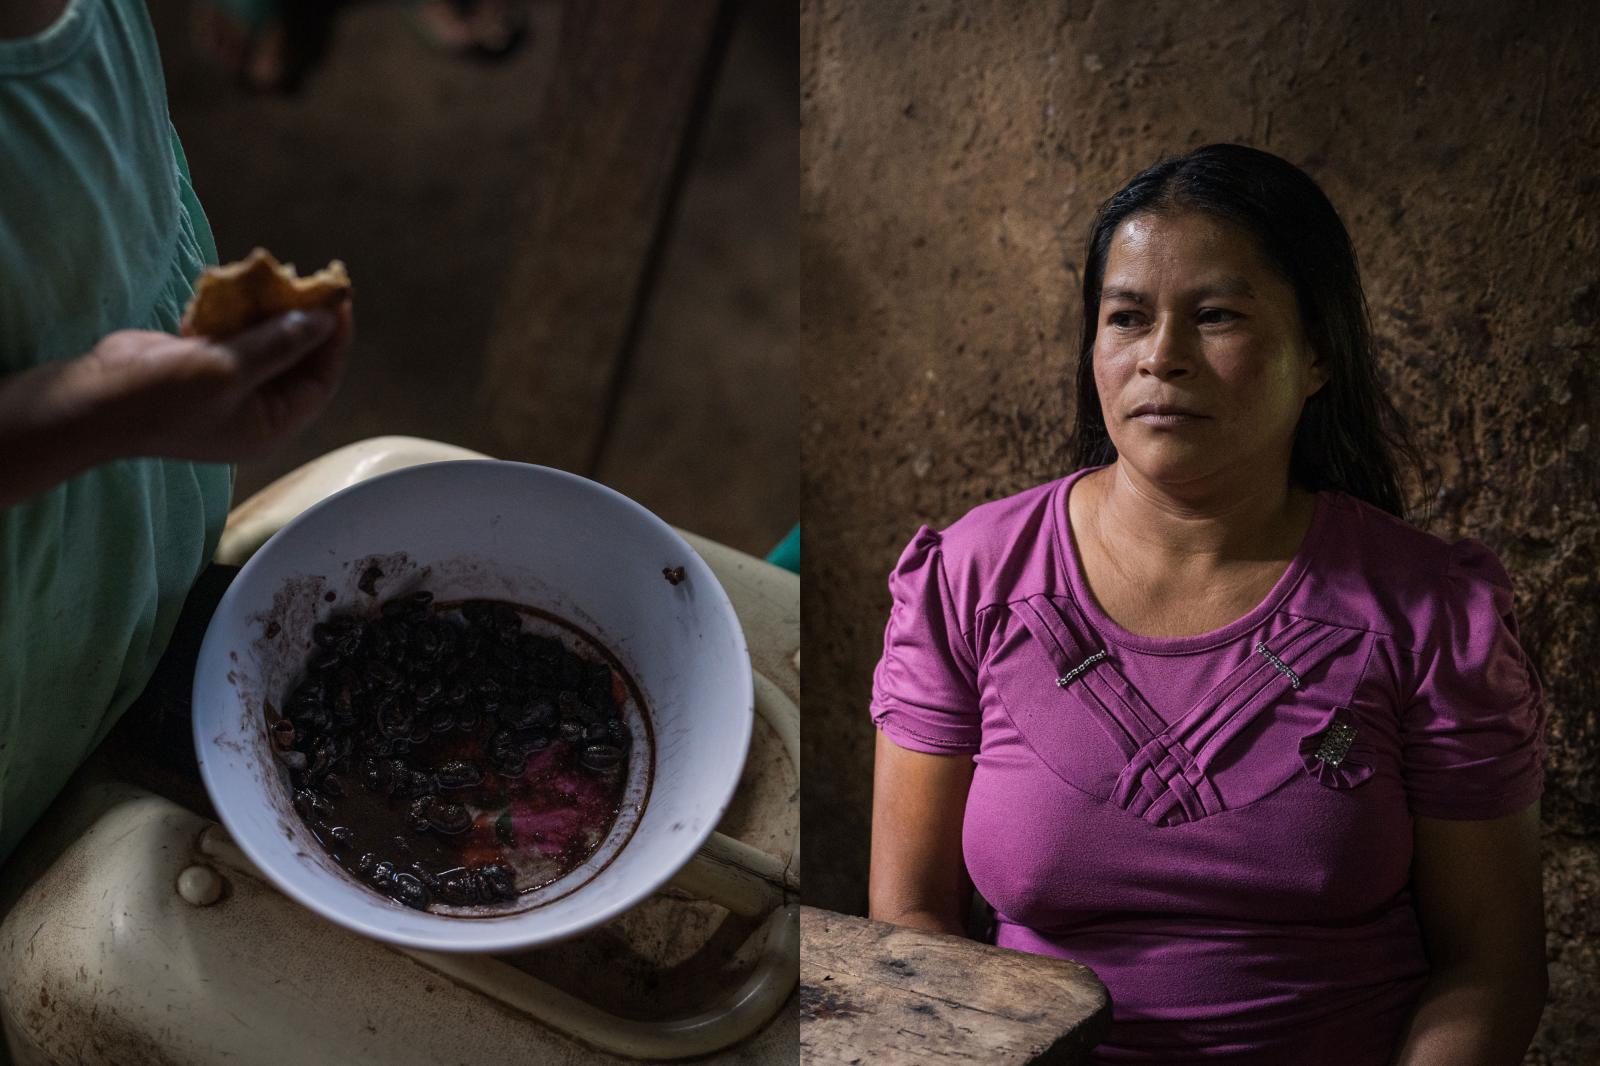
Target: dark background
(952,156)
(452,191)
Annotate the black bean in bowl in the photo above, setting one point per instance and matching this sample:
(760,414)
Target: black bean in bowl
(444,754)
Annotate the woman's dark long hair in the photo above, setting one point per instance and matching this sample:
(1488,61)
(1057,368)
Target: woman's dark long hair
(1350,435)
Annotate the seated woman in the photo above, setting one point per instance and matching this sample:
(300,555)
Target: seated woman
(1207,714)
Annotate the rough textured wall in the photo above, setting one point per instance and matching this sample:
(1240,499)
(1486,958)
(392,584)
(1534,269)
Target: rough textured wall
(952,156)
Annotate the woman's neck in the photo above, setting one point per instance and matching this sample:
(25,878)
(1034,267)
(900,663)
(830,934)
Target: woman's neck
(28,18)
(1200,526)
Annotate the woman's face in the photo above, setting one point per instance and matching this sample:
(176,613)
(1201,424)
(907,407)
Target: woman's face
(1193,316)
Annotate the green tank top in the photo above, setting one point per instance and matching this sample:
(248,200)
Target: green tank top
(100,230)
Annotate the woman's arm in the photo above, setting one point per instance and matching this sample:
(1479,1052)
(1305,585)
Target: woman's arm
(917,875)
(1480,898)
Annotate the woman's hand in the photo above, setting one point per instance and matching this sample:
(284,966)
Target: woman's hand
(217,401)
(918,877)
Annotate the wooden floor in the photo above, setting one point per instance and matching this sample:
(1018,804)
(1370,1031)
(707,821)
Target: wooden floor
(419,172)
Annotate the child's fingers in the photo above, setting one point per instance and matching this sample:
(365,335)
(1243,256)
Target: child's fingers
(269,348)
(324,368)
(301,391)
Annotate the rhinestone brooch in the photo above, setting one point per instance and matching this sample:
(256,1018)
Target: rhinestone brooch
(1278,665)
(1066,679)
(1335,743)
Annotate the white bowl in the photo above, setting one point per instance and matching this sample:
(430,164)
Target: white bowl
(495,530)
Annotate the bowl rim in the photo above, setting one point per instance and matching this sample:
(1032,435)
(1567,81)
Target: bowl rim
(516,931)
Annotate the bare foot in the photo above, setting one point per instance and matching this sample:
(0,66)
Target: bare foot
(492,26)
(268,67)
(483,28)
(258,59)
(446,25)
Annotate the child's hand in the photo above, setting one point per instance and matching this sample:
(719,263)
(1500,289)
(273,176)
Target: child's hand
(219,401)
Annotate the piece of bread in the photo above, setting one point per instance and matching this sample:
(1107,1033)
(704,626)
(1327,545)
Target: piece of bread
(228,299)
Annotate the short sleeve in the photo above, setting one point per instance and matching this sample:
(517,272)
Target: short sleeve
(1473,733)
(924,691)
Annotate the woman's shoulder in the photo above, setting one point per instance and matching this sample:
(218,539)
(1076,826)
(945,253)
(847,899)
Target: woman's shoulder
(1398,576)
(994,550)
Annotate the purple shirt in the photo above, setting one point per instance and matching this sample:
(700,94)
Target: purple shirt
(1220,826)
